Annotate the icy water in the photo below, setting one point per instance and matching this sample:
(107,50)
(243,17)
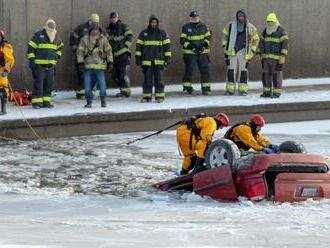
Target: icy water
(96,192)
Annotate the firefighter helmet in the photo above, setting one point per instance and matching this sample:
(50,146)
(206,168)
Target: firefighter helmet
(222,119)
(258,120)
(271,17)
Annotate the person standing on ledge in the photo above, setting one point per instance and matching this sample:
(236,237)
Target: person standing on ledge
(153,54)
(120,38)
(94,56)
(75,38)
(240,42)
(196,39)
(44,51)
(273,49)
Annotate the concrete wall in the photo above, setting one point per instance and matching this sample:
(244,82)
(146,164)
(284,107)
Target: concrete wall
(306,21)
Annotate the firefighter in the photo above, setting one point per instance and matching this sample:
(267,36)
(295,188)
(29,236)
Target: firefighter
(94,56)
(75,37)
(240,42)
(44,51)
(193,137)
(153,55)
(246,135)
(195,39)
(7,62)
(274,49)
(120,38)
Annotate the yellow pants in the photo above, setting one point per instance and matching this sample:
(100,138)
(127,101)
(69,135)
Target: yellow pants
(187,144)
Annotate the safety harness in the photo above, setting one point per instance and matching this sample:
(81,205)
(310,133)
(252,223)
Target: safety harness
(241,145)
(2,57)
(191,125)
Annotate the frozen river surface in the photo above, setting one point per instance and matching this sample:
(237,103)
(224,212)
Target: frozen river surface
(95,192)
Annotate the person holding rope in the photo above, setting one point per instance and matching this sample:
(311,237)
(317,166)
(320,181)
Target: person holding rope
(193,137)
(7,62)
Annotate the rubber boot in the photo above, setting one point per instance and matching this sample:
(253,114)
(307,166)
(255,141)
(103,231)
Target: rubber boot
(124,93)
(88,104)
(103,103)
(3,106)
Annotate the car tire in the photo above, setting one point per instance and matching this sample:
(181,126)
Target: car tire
(292,147)
(222,152)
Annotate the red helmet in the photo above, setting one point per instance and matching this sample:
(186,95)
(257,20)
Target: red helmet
(258,120)
(222,119)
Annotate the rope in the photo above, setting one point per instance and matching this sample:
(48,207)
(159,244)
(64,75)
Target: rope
(24,118)
(11,139)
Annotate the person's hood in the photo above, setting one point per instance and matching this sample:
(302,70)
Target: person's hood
(153,17)
(50,28)
(243,13)
(272,23)
(115,24)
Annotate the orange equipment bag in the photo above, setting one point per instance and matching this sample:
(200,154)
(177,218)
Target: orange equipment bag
(21,98)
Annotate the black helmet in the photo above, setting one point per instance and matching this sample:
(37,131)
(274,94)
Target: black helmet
(194,13)
(114,14)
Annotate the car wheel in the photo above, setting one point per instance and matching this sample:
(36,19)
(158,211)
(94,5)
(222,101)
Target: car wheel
(292,147)
(222,152)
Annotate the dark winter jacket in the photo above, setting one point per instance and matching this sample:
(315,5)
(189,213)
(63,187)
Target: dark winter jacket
(42,51)
(274,45)
(153,47)
(195,37)
(77,34)
(120,38)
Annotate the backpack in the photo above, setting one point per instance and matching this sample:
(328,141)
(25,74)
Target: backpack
(21,98)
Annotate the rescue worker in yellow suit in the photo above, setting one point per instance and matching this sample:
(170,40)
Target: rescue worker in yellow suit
(246,135)
(7,62)
(193,137)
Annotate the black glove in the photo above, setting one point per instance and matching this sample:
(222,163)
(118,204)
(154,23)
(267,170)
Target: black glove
(167,62)
(110,66)
(199,165)
(247,64)
(138,61)
(205,44)
(189,47)
(184,172)
(279,67)
(257,53)
(81,67)
(227,61)
(200,49)
(32,65)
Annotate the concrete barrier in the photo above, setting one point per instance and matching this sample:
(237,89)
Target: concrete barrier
(105,123)
(306,21)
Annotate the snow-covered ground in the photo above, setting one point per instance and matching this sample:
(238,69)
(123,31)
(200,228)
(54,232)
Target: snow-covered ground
(40,203)
(65,104)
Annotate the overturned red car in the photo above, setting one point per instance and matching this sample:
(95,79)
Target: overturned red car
(291,175)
